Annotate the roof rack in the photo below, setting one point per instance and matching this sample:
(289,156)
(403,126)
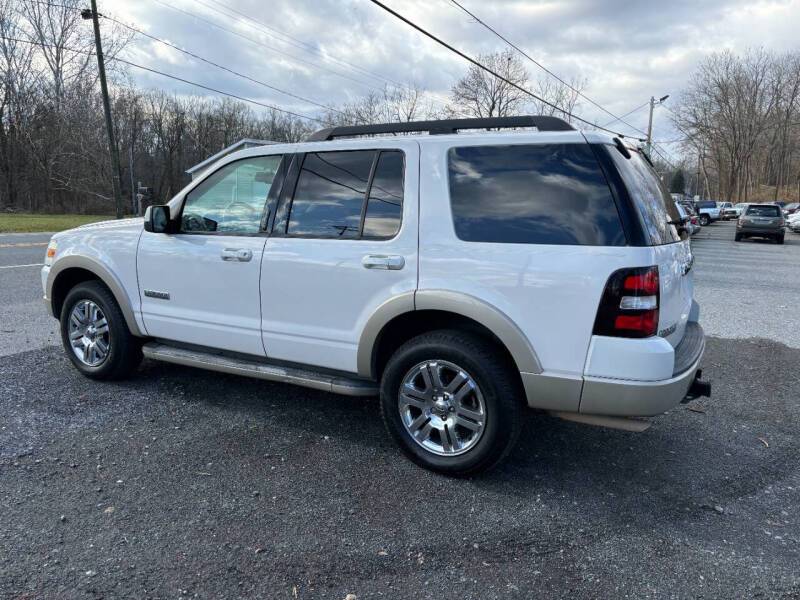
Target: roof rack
(542,123)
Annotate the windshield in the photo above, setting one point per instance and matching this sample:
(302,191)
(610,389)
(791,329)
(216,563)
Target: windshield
(656,208)
(766,210)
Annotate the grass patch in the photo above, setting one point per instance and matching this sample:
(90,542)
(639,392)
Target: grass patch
(28,223)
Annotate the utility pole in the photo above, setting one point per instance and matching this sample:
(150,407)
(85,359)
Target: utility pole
(653,104)
(112,144)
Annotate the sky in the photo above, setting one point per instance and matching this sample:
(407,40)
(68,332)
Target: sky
(334,51)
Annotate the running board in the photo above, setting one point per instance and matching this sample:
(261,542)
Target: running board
(623,423)
(251,368)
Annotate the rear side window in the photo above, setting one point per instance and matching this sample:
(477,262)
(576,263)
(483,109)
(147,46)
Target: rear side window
(655,206)
(532,194)
(764,211)
(385,204)
(348,195)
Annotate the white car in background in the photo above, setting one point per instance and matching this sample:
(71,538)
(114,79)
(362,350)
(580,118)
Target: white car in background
(793,222)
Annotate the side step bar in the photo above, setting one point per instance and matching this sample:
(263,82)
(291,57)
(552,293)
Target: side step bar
(251,368)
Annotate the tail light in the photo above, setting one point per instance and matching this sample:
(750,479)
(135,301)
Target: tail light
(629,306)
(741,221)
(782,223)
(694,220)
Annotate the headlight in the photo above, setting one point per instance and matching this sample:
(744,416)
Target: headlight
(51,252)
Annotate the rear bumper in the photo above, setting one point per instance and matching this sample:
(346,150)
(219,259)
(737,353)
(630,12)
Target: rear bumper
(635,398)
(759,230)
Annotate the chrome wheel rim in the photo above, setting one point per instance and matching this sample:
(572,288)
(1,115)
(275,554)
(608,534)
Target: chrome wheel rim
(442,408)
(88,333)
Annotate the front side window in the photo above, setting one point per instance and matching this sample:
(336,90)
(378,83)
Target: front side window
(532,194)
(348,195)
(231,200)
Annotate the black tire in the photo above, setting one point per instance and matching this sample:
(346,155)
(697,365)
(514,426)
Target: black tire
(497,380)
(705,220)
(737,237)
(779,239)
(124,349)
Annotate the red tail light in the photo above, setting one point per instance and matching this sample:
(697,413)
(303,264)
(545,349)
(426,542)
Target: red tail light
(629,306)
(741,221)
(783,222)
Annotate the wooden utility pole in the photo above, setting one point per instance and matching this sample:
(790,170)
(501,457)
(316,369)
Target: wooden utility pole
(112,144)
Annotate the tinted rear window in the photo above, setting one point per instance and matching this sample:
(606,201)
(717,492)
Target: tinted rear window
(706,205)
(532,194)
(764,211)
(655,205)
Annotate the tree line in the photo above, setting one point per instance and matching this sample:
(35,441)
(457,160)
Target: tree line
(740,120)
(739,116)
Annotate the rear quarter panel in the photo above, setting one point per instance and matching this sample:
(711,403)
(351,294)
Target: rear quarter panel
(550,291)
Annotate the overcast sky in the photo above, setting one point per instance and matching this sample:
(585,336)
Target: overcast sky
(333,50)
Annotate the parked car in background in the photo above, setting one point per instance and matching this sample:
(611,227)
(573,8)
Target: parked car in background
(348,265)
(739,208)
(761,220)
(693,219)
(685,228)
(726,210)
(791,208)
(707,212)
(793,222)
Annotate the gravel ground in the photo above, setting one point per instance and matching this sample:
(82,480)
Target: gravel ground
(749,288)
(185,483)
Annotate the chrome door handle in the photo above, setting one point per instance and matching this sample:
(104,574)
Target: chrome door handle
(240,254)
(392,262)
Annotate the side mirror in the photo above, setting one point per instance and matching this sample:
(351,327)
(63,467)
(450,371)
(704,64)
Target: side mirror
(156,218)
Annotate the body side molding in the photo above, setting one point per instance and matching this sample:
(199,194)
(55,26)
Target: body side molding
(103,273)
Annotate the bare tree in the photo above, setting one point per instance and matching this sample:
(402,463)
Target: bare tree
(480,94)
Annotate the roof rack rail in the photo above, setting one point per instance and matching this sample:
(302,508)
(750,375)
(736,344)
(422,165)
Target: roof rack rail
(542,123)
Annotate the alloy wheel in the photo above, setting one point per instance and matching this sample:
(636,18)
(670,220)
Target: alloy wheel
(442,408)
(89,334)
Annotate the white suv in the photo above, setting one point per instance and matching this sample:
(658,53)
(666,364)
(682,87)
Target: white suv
(463,276)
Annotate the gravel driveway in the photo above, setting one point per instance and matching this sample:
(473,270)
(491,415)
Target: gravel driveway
(184,483)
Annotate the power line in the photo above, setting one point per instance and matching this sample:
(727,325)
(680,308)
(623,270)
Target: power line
(630,112)
(175,77)
(263,45)
(488,70)
(305,46)
(541,66)
(224,68)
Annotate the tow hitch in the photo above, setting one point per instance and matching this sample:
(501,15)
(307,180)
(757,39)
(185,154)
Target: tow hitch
(698,388)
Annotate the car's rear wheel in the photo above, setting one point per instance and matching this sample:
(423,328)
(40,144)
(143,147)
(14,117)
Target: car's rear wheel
(95,335)
(704,220)
(779,239)
(452,402)
(737,237)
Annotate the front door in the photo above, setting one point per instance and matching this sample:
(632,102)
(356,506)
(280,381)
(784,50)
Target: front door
(200,285)
(344,241)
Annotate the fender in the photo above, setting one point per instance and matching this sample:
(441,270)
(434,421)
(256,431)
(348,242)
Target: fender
(105,275)
(455,302)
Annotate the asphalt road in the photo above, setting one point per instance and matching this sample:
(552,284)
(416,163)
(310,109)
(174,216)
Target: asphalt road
(183,483)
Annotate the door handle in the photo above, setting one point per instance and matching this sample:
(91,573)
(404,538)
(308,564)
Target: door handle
(238,254)
(392,262)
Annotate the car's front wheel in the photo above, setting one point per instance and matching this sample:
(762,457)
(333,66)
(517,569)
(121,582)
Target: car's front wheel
(452,402)
(95,335)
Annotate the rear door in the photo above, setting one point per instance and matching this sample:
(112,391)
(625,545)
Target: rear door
(672,255)
(344,241)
